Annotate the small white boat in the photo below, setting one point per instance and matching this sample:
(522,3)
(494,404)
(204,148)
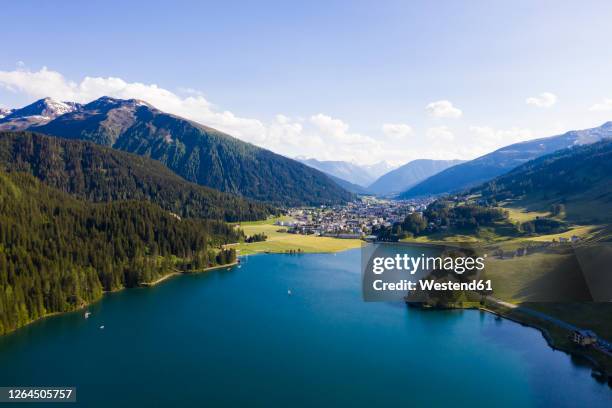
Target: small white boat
(102,327)
(289,292)
(87,314)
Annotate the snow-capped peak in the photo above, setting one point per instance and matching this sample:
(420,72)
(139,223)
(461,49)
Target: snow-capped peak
(4,112)
(35,114)
(52,108)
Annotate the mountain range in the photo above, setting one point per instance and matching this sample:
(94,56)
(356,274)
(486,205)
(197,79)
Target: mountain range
(406,176)
(487,167)
(381,178)
(355,174)
(348,186)
(207,157)
(195,152)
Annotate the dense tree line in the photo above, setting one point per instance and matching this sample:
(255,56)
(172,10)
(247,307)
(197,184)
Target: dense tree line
(466,216)
(58,253)
(439,215)
(542,225)
(100,174)
(256,238)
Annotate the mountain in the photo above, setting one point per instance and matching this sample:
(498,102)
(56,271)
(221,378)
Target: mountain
(197,153)
(487,167)
(59,253)
(376,170)
(406,176)
(348,186)
(353,173)
(4,112)
(579,178)
(37,113)
(99,174)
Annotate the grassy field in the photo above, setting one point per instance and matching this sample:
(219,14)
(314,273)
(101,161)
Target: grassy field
(441,238)
(582,231)
(541,276)
(523,215)
(548,274)
(281,242)
(505,233)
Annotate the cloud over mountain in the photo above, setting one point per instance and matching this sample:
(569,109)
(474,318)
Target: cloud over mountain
(317,134)
(443,109)
(543,100)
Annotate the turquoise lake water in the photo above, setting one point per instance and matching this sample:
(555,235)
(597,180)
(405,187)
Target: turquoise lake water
(236,338)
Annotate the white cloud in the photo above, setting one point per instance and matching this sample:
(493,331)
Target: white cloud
(330,126)
(485,139)
(603,106)
(397,131)
(320,135)
(45,82)
(543,100)
(443,109)
(440,134)
(488,135)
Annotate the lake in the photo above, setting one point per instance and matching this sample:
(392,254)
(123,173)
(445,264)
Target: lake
(235,337)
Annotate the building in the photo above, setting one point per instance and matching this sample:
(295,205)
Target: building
(584,337)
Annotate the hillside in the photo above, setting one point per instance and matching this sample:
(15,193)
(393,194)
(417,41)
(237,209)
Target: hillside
(348,186)
(58,253)
(579,179)
(406,176)
(95,173)
(197,153)
(489,166)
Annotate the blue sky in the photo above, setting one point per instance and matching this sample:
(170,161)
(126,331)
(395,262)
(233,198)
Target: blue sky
(331,80)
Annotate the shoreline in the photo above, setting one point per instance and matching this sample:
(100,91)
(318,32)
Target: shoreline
(141,285)
(503,311)
(176,273)
(598,368)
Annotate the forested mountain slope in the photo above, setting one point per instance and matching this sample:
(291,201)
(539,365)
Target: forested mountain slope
(197,153)
(579,178)
(96,173)
(489,166)
(58,253)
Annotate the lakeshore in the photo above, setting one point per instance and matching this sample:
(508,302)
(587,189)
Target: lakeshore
(210,323)
(556,333)
(84,305)
(176,273)
(280,241)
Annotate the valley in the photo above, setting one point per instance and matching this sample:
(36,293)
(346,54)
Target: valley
(127,159)
(307,204)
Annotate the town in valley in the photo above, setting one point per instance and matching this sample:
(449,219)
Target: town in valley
(355,220)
